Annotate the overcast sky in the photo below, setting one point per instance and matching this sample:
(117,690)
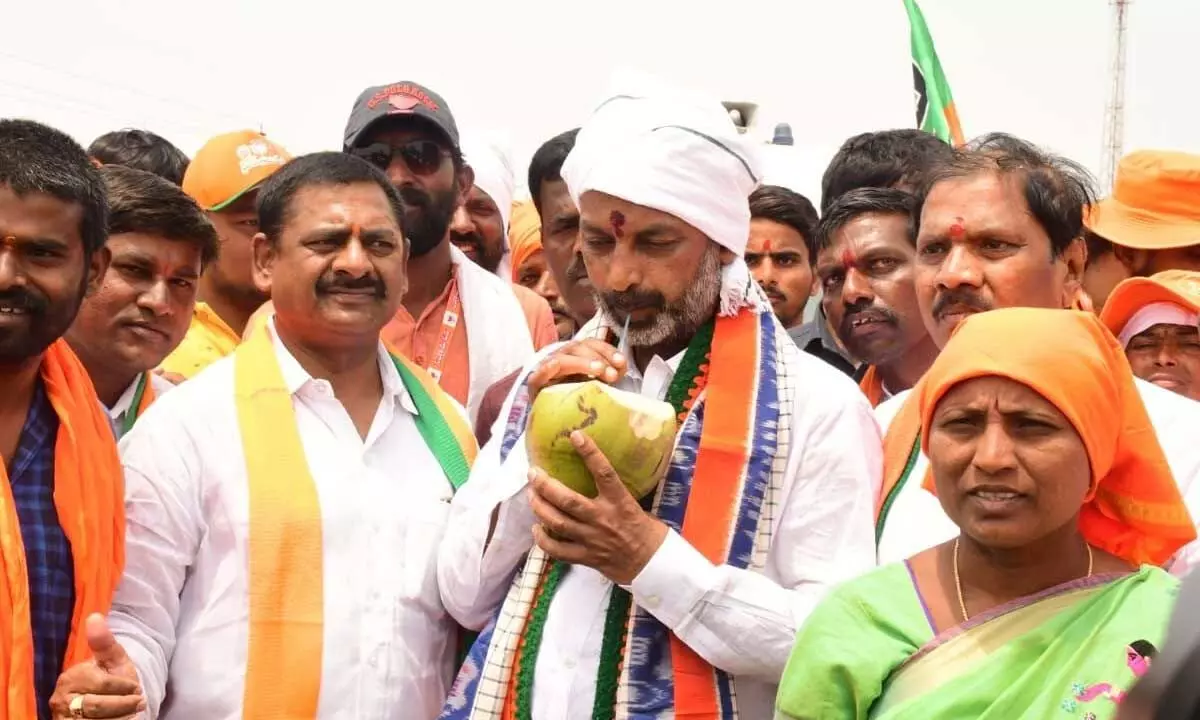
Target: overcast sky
(527,69)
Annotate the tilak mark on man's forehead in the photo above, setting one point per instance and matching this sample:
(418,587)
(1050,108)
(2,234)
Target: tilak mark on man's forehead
(848,259)
(617,219)
(957,229)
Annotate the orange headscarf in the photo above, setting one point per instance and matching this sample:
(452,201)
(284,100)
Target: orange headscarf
(524,235)
(1134,509)
(89,494)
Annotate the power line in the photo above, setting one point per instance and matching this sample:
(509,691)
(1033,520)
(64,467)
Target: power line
(141,93)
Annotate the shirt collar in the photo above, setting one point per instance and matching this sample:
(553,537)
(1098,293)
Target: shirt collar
(295,377)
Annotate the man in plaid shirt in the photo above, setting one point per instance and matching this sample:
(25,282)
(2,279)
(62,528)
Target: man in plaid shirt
(61,519)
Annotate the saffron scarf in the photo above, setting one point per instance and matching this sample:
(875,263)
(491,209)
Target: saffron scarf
(89,497)
(872,386)
(1134,509)
(286,575)
(732,391)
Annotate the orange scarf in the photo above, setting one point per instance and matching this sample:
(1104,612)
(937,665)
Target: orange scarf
(872,386)
(1134,509)
(89,495)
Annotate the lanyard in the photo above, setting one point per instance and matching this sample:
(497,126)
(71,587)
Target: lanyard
(449,324)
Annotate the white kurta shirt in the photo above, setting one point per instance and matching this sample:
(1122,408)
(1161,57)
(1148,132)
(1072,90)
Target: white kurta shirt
(740,621)
(917,522)
(124,404)
(181,610)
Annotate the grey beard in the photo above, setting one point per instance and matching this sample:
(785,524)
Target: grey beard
(682,318)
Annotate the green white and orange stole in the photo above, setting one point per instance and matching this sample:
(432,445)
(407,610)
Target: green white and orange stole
(143,397)
(732,393)
(286,577)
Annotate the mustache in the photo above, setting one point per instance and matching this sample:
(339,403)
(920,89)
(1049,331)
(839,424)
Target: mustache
(414,196)
(625,303)
(22,299)
(336,283)
(961,297)
(865,312)
(473,239)
(772,290)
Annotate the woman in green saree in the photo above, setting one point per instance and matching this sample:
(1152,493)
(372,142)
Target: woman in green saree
(1049,604)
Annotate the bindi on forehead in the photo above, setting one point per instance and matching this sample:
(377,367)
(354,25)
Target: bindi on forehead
(617,219)
(355,230)
(958,229)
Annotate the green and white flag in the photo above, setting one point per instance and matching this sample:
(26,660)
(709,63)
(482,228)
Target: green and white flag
(935,105)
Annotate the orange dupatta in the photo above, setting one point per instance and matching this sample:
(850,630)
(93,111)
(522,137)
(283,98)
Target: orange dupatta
(89,495)
(872,386)
(1134,509)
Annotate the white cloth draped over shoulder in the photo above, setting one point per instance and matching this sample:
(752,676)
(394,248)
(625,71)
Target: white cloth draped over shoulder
(498,338)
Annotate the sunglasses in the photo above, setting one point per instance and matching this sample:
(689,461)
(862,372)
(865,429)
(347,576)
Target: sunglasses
(423,157)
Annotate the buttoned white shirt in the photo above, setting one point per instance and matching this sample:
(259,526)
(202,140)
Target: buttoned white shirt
(181,610)
(741,621)
(917,522)
(124,404)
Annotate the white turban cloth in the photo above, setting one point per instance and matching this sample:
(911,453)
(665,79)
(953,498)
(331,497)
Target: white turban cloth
(493,174)
(1160,313)
(662,148)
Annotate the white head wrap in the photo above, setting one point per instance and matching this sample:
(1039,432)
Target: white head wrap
(659,147)
(493,173)
(1159,313)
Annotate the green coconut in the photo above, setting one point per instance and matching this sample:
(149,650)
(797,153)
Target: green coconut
(635,433)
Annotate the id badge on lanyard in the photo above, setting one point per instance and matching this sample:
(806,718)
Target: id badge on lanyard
(450,320)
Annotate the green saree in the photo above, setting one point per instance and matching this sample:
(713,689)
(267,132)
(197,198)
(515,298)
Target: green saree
(869,651)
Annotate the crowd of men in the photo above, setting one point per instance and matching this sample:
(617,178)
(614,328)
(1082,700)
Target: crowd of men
(319,371)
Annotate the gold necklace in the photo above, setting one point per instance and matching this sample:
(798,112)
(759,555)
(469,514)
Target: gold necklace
(962,605)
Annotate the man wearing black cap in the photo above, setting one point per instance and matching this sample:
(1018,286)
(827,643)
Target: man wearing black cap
(460,322)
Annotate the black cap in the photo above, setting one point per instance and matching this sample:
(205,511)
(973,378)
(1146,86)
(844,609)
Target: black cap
(399,99)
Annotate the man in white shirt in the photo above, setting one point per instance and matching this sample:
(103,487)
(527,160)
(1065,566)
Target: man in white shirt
(780,450)
(1000,225)
(285,505)
(160,242)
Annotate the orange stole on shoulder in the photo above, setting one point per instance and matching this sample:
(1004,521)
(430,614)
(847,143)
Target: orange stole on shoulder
(872,386)
(89,495)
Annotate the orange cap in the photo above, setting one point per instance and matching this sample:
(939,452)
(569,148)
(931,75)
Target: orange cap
(1155,202)
(230,165)
(1177,287)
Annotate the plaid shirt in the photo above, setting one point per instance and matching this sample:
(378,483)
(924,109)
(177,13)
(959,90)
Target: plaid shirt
(47,551)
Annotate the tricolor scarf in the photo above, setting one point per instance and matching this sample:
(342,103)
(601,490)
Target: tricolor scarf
(734,393)
(89,497)
(143,397)
(286,577)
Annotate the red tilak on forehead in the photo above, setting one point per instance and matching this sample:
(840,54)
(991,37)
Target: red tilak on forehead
(848,259)
(766,247)
(355,229)
(617,220)
(957,229)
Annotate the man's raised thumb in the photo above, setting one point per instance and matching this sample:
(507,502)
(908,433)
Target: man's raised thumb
(105,648)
